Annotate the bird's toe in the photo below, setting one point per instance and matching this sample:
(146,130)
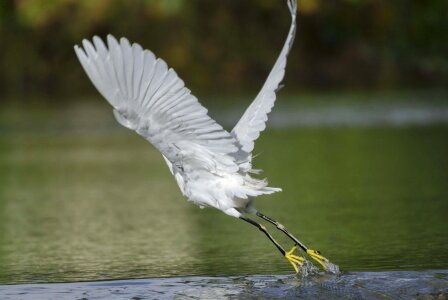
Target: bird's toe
(295,260)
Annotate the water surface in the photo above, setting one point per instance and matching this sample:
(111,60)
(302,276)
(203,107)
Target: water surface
(83,199)
(354,285)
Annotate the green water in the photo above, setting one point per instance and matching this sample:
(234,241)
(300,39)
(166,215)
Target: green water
(82,204)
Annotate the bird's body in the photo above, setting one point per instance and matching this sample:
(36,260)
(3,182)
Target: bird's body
(212,167)
(205,177)
(220,187)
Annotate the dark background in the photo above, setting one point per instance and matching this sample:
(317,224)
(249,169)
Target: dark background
(229,46)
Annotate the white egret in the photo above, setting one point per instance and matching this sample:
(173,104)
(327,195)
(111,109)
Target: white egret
(212,167)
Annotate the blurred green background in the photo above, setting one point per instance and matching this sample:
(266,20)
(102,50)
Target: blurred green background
(358,139)
(219,46)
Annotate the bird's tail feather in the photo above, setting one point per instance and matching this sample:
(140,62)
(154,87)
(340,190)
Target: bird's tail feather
(260,185)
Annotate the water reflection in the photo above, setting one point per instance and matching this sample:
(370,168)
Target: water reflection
(101,204)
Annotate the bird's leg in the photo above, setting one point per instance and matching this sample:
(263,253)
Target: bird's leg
(324,262)
(283,229)
(294,260)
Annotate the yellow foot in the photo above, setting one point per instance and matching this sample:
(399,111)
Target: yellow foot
(294,260)
(319,258)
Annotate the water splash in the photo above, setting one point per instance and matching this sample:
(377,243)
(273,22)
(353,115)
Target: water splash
(332,268)
(307,270)
(353,285)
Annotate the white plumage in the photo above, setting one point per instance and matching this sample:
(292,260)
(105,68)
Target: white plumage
(211,166)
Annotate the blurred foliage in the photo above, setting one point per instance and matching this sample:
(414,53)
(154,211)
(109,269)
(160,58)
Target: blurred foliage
(230,45)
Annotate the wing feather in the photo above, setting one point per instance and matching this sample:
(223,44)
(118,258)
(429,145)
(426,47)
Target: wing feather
(253,121)
(151,99)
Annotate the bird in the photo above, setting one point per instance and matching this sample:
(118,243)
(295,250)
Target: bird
(212,167)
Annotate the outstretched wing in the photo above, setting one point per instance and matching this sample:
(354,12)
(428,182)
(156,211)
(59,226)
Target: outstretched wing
(254,119)
(152,100)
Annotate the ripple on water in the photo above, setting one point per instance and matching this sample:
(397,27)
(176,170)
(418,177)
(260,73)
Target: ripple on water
(354,285)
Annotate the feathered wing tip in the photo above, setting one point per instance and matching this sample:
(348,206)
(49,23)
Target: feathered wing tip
(292,5)
(254,119)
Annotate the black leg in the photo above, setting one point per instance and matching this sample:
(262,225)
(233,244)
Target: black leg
(296,261)
(283,229)
(263,229)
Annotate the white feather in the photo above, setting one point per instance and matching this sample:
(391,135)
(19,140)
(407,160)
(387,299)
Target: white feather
(253,121)
(210,165)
